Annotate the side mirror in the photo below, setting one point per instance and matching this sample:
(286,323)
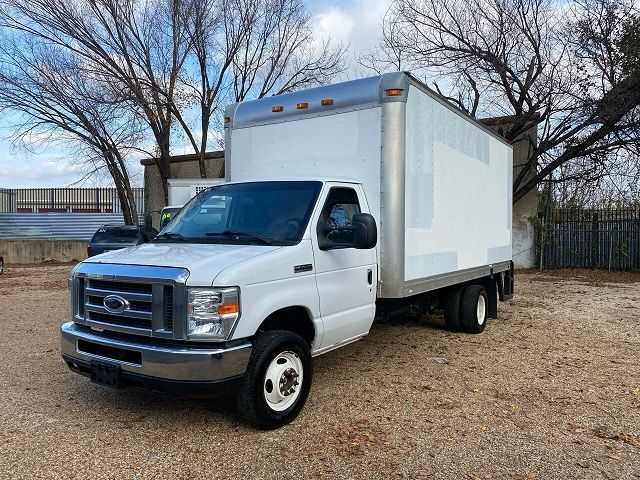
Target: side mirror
(365,232)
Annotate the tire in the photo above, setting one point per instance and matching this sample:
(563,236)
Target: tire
(452,309)
(273,351)
(474,309)
(1,265)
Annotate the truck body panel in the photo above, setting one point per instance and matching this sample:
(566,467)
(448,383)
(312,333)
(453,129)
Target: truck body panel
(457,192)
(438,182)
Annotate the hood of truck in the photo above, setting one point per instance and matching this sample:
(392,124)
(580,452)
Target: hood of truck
(204,261)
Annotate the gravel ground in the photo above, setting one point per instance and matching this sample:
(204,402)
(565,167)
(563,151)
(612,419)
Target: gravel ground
(550,390)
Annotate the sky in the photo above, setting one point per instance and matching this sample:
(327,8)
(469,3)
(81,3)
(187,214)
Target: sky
(355,24)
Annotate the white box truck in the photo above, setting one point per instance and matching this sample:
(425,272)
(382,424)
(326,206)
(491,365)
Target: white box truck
(340,203)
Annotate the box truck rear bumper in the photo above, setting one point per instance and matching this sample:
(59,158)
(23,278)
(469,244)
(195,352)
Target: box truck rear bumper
(109,360)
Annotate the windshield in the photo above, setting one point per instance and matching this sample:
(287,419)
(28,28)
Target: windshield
(261,213)
(115,235)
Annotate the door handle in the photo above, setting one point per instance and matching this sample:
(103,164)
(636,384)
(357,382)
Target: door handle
(370,276)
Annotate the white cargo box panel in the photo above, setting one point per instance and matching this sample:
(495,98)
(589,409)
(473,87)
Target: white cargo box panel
(438,183)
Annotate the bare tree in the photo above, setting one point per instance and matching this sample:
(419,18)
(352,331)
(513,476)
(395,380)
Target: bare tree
(246,49)
(163,57)
(137,48)
(561,69)
(48,87)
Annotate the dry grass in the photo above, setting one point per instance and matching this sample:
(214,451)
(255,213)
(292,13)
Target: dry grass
(551,390)
(588,276)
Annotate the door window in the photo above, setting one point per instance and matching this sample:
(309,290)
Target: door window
(335,228)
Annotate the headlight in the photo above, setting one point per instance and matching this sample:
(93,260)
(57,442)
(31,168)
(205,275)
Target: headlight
(212,312)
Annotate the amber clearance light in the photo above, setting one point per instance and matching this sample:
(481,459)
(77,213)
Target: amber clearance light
(277,108)
(302,105)
(393,92)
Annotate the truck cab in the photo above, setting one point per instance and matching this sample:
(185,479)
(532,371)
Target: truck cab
(283,267)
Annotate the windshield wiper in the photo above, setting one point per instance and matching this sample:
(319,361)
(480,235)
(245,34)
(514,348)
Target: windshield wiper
(170,236)
(248,236)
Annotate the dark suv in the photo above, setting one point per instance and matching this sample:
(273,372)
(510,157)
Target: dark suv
(115,237)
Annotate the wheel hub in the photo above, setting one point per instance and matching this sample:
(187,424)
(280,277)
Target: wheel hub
(282,381)
(481,310)
(288,382)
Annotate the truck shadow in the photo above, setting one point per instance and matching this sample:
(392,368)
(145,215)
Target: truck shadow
(127,407)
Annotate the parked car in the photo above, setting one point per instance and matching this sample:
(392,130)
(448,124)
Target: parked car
(284,262)
(116,237)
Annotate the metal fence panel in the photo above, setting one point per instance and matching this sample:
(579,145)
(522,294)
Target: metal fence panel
(58,226)
(591,238)
(65,200)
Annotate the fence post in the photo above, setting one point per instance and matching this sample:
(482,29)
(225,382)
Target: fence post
(543,225)
(594,239)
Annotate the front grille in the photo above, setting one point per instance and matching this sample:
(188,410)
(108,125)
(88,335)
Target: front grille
(80,298)
(150,299)
(167,305)
(120,320)
(137,315)
(120,287)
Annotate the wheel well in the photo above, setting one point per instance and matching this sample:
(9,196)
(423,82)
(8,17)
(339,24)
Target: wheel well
(295,319)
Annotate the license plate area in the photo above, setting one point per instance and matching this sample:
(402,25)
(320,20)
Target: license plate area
(105,374)
(113,353)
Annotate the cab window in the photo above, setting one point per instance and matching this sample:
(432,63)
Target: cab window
(335,228)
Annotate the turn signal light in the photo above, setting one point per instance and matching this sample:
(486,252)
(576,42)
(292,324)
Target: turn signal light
(393,92)
(277,108)
(228,308)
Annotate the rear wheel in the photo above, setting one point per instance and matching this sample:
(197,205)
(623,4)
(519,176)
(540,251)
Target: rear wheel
(452,309)
(474,309)
(278,379)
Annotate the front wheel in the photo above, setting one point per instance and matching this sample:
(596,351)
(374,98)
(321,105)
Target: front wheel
(278,379)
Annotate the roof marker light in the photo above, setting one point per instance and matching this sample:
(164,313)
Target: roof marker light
(326,102)
(302,105)
(227,119)
(393,92)
(277,108)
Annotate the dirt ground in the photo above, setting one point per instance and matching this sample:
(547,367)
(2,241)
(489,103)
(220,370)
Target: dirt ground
(551,390)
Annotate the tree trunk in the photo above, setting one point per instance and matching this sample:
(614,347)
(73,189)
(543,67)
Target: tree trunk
(164,167)
(128,207)
(203,167)
(204,126)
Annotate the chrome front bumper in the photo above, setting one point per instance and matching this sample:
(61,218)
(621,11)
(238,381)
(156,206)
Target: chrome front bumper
(154,361)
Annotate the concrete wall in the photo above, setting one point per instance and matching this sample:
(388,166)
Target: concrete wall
(38,251)
(180,168)
(523,233)
(524,212)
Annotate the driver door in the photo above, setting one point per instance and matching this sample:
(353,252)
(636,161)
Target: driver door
(346,276)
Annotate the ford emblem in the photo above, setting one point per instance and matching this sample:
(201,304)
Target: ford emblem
(115,304)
